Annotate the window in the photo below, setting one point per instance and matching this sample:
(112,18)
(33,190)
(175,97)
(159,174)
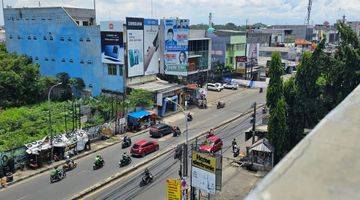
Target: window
(53,59)
(69,39)
(35,38)
(27,19)
(71,60)
(77,22)
(87,39)
(89,62)
(46,59)
(121,68)
(62,38)
(29,37)
(63,60)
(10,36)
(85,23)
(45,38)
(19,37)
(82,62)
(81,40)
(112,70)
(51,37)
(36,58)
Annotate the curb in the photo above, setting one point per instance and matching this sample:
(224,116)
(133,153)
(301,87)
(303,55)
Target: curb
(173,147)
(86,153)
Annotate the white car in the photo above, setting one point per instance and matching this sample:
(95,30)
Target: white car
(233,86)
(215,86)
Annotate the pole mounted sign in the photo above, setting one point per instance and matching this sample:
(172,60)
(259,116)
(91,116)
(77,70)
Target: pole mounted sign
(203,172)
(204,161)
(173,189)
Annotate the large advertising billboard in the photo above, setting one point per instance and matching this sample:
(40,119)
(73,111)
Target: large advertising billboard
(203,180)
(112,44)
(253,52)
(176,33)
(151,46)
(135,40)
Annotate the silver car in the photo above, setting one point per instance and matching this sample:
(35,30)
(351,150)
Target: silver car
(232,86)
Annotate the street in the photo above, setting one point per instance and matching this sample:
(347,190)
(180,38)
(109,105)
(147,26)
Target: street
(84,177)
(167,167)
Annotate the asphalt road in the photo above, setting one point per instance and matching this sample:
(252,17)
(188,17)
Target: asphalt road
(84,176)
(167,167)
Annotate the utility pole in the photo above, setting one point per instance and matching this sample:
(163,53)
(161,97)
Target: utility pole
(253,123)
(50,128)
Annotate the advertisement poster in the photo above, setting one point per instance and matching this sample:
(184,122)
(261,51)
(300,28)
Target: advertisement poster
(203,180)
(151,46)
(135,39)
(253,52)
(173,188)
(112,44)
(176,46)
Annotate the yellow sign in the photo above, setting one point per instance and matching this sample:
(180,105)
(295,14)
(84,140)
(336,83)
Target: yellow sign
(173,187)
(204,161)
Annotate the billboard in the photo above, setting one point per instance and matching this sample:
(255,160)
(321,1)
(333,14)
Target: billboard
(151,46)
(203,180)
(135,43)
(253,52)
(173,189)
(204,161)
(112,44)
(176,33)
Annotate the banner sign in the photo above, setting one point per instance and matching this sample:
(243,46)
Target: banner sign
(112,44)
(173,189)
(253,53)
(151,46)
(203,180)
(135,43)
(204,161)
(176,33)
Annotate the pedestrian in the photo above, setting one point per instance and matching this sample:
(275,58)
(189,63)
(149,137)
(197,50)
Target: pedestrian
(234,144)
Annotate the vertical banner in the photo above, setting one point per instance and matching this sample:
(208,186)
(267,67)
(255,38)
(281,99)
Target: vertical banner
(112,44)
(176,32)
(135,43)
(253,52)
(151,46)
(173,188)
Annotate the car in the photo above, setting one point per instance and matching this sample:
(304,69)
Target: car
(233,86)
(144,147)
(212,145)
(161,129)
(215,86)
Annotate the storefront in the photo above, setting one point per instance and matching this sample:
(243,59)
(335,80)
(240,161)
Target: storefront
(140,120)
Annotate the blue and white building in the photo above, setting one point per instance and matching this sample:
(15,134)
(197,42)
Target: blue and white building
(62,39)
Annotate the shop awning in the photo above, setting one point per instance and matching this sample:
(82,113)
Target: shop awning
(139,114)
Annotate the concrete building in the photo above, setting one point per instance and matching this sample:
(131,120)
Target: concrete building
(63,39)
(264,39)
(297,31)
(355,26)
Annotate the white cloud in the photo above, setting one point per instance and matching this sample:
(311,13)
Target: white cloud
(237,11)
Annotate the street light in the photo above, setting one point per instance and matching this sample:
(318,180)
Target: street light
(186,135)
(50,131)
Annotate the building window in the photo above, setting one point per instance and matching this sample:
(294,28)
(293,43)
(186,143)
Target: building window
(89,62)
(63,60)
(51,37)
(112,70)
(45,38)
(77,22)
(35,38)
(49,18)
(53,59)
(62,38)
(18,37)
(87,39)
(85,23)
(27,19)
(10,37)
(43,19)
(46,59)
(36,58)
(81,40)
(33,18)
(29,37)
(69,39)
(121,68)
(82,62)
(71,60)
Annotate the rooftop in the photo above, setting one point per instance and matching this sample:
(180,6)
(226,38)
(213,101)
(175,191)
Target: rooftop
(324,165)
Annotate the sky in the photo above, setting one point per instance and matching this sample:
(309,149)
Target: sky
(236,11)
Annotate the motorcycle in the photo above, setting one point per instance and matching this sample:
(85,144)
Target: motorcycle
(126,143)
(189,117)
(236,152)
(146,180)
(98,165)
(264,111)
(261,90)
(69,166)
(220,104)
(125,161)
(176,132)
(57,177)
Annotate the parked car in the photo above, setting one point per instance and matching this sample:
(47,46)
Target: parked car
(144,147)
(161,129)
(211,145)
(232,86)
(215,86)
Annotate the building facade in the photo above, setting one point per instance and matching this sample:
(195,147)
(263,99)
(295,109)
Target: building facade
(63,40)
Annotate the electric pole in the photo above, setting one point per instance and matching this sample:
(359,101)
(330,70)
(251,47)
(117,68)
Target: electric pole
(253,121)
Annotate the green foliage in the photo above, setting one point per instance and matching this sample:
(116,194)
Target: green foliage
(140,98)
(274,92)
(277,134)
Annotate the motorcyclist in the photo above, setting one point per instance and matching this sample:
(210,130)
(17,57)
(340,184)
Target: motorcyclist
(125,156)
(68,161)
(210,133)
(56,171)
(126,138)
(98,160)
(234,144)
(189,117)
(147,174)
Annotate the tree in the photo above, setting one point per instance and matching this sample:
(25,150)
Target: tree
(140,98)
(277,130)
(274,92)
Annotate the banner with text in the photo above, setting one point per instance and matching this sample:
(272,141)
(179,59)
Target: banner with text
(112,44)
(135,43)
(176,33)
(151,46)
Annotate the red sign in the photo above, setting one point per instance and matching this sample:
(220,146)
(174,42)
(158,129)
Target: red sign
(240,58)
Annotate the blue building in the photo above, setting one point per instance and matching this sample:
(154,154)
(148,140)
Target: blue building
(63,39)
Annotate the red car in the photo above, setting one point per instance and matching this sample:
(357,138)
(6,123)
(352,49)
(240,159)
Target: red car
(144,147)
(213,144)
